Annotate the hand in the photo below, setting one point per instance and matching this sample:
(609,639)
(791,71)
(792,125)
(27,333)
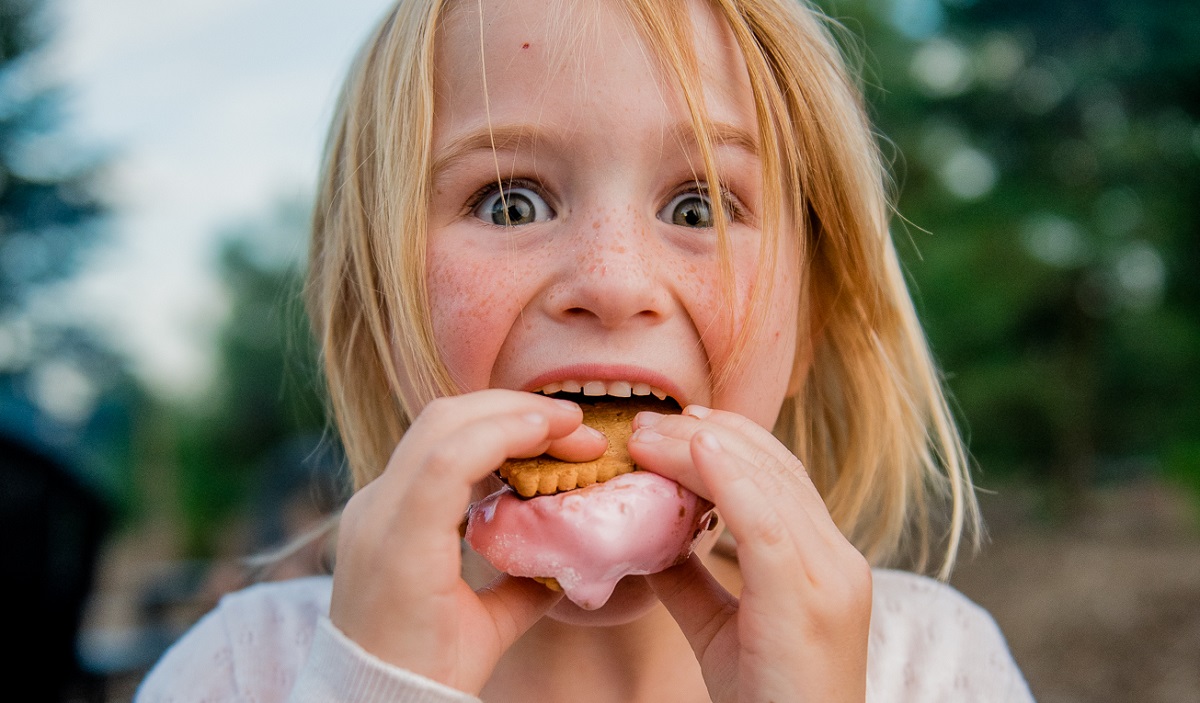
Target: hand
(799,630)
(397,589)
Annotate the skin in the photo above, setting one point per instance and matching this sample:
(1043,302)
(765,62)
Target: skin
(603,284)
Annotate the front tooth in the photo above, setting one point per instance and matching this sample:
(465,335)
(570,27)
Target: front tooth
(658,393)
(552,388)
(571,386)
(594,388)
(641,389)
(621,389)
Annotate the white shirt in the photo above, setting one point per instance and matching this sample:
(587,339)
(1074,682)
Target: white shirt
(274,642)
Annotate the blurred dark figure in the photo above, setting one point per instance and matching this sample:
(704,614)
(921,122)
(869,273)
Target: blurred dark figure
(52,524)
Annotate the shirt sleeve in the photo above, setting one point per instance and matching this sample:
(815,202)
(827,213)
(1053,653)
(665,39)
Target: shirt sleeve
(274,643)
(339,670)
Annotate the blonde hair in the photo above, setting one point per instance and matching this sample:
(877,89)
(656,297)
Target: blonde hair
(870,422)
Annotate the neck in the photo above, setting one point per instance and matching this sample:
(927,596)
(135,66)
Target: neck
(644,660)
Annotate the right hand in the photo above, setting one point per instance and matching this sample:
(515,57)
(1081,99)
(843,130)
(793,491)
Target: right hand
(397,589)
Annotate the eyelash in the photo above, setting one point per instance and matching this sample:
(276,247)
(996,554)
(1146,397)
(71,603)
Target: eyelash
(489,189)
(735,210)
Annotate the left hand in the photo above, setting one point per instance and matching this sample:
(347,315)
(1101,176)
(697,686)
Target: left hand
(799,630)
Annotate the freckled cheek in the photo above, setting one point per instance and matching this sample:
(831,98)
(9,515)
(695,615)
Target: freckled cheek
(705,293)
(472,308)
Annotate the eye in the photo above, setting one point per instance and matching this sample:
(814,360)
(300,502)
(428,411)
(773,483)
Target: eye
(693,208)
(510,206)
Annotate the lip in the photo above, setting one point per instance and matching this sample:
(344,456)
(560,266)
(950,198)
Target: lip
(609,372)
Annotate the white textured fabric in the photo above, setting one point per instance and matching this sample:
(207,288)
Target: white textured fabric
(273,642)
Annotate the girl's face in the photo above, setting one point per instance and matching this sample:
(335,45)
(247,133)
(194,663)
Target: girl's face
(608,269)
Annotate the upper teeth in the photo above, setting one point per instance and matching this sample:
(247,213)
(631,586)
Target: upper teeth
(620,389)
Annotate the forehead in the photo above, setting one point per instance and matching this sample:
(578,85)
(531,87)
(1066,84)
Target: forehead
(518,61)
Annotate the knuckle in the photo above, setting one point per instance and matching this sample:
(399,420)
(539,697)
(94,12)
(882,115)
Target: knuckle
(437,409)
(442,457)
(848,594)
(741,423)
(770,531)
(353,511)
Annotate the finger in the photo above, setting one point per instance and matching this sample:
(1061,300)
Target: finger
(770,530)
(773,467)
(737,429)
(698,603)
(668,456)
(446,415)
(514,605)
(440,488)
(582,444)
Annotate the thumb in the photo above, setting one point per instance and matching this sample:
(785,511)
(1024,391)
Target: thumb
(698,603)
(514,605)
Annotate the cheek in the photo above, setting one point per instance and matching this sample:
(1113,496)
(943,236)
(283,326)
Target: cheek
(473,303)
(718,318)
(762,366)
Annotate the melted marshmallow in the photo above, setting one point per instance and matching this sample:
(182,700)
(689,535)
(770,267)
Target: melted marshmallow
(588,539)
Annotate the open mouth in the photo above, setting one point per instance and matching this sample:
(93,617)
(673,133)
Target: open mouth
(608,406)
(593,393)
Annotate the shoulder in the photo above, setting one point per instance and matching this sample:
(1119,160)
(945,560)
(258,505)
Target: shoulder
(279,603)
(900,593)
(253,641)
(933,643)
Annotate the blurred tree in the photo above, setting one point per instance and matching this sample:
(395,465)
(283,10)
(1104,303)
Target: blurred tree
(66,399)
(48,211)
(1049,171)
(51,216)
(267,388)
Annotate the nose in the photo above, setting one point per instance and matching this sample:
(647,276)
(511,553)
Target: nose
(611,275)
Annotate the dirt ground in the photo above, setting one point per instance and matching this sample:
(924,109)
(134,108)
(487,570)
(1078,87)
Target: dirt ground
(1103,608)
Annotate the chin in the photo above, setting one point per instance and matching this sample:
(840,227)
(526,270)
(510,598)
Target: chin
(631,600)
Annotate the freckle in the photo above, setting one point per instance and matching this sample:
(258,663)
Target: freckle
(596,224)
(525,45)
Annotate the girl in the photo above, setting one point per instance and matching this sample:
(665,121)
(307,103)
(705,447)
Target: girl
(525,195)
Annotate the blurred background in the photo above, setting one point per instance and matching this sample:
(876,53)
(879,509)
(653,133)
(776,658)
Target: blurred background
(160,417)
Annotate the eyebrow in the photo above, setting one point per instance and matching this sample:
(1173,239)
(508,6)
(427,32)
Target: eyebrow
(508,137)
(500,138)
(721,133)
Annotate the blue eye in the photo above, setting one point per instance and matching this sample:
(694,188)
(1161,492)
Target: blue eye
(510,207)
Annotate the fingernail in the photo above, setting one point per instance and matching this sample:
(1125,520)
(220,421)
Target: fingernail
(534,418)
(567,404)
(645,435)
(697,411)
(708,441)
(593,431)
(647,418)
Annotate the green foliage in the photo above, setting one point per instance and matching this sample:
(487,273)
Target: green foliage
(48,212)
(61,374)
(1049,156)
(267,386)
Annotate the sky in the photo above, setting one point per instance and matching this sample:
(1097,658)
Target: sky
(210,112)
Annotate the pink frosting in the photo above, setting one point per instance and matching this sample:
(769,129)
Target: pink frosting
(588,539)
